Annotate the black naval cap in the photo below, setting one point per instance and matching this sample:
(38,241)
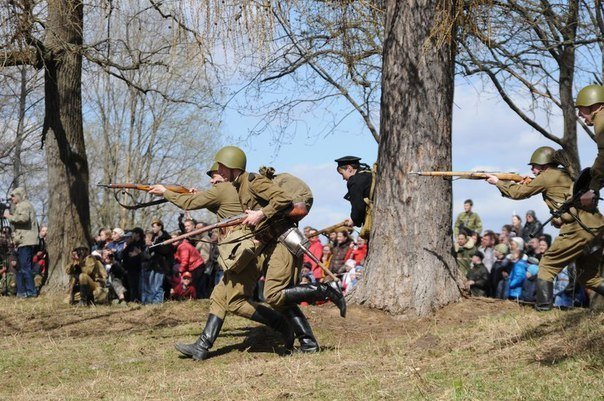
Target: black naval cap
(346,160)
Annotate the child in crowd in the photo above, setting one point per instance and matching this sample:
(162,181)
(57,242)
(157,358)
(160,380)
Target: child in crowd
(517,274)
(184,290)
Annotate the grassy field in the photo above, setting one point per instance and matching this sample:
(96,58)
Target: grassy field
(473,350)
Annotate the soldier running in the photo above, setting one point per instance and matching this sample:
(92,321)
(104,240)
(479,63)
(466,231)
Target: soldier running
(234,291)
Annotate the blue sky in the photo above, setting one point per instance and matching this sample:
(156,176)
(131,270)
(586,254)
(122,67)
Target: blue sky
(486,136)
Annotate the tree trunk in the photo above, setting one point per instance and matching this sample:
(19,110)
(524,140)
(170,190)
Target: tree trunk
(410,268)
(17,164)
(68,213)
(567,74)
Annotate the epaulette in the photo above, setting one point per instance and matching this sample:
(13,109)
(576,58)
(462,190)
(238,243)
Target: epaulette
(251,177)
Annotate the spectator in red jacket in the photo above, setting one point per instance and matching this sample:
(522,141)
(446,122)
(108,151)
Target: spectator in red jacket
(190,261)
(359,252)
(184,290)
(316,248)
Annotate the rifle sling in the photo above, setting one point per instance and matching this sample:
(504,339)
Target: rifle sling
(137,205)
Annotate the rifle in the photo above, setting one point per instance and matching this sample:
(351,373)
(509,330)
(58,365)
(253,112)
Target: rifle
(473,175)
(327,230)
(231,221)
(296,213)
(147,187)
(142,187)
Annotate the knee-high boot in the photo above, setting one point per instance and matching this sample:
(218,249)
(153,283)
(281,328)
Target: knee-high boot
(544,296)
(302,329)
(200,349)
(276,321)
(317,292)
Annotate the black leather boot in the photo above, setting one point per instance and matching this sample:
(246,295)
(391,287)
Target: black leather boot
(599,289)
(302,329)
(276,321)
(317,292)
(84,295)
(544,296)
(200,349)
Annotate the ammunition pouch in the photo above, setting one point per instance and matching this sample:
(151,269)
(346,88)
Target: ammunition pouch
(236,250)
(272,230)
(294,241)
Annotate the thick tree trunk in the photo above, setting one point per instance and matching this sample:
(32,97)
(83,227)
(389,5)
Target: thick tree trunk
(567,72)
(410,268)
(69,213)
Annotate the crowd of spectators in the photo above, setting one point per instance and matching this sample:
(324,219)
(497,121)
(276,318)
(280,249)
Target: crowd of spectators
(500,264)
(136,272)
(505,265)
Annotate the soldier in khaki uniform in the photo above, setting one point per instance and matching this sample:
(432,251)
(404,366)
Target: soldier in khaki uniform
(574,243)
(90,274)
(467,219)
(267,206)
(590,102)
(233,293)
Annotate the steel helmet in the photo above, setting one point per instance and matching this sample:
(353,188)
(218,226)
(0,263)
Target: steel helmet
(543,155)
(590,95)
(212,169)
(231,157)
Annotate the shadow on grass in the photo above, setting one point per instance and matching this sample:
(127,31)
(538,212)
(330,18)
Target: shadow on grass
(572,335)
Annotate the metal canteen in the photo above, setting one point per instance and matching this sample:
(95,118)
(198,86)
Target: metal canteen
(295,241)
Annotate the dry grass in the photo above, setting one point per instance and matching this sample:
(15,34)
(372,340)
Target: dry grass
(473,350)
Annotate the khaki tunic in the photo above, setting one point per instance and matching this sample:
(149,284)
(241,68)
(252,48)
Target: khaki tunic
(280,266)
(235,289)
(469,220)
(92,274)
(574,243)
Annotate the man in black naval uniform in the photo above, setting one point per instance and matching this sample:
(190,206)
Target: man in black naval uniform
(358,178)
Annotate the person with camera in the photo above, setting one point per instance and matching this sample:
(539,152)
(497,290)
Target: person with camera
(25,238)
(88,274)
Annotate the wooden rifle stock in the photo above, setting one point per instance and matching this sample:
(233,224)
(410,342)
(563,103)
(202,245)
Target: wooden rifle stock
(472,175)
(327,230)
(146,187)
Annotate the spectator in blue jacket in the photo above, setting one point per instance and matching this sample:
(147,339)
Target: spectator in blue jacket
(517,274)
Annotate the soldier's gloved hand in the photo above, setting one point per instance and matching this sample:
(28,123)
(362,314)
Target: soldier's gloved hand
(349,222)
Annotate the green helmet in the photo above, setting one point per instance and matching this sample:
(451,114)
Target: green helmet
(212,169)
(590,95)
(543,155)
(231,157)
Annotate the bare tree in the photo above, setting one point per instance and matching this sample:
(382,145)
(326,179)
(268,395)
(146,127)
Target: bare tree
(49,35)
(533,52)
(163,135)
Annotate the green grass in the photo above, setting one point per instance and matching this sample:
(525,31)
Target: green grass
(473,350)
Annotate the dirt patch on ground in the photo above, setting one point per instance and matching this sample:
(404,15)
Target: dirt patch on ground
(50,316)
